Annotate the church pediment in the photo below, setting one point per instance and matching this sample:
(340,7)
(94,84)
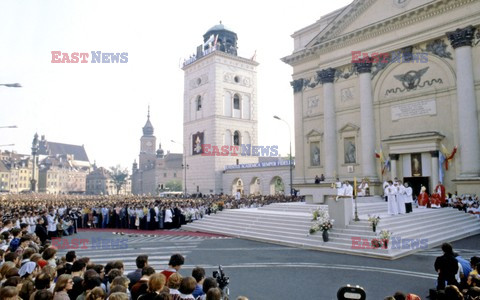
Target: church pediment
(314,133)
(361,14)
(349,127)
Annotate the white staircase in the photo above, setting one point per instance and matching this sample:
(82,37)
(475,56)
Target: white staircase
(289,224)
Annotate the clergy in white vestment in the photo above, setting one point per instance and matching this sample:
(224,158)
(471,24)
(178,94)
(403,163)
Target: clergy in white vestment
(400,197)
(390,192)
(340,188)
(408,197)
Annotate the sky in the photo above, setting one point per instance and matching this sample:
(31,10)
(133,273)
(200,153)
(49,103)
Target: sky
(104,106)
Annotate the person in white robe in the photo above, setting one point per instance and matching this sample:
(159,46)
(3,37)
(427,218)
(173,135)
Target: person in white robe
(408,197)
(400,197)
(392,199)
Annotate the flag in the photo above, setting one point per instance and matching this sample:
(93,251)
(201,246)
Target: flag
(441,159)
(215,42)
(210,40)
(448,156)
(385,164)
(254,55)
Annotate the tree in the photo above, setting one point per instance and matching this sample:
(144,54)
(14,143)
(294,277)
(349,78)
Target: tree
(174,186)
(119,177)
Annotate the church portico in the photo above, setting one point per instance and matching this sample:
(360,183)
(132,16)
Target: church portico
(414,158)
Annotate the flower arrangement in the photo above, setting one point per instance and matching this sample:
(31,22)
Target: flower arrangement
(315,227)
(319,213)
(385,234)
(188,216)
(322,221)
(214,208)
(326,225)
(373,220)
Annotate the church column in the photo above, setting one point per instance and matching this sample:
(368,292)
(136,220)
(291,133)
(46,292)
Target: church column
(469,140)
(434,177)
(326,77)
(393,165)
(367,120)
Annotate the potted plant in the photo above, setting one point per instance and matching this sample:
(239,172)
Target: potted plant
(314,228)
(373,220)
(325,227)
(385,237)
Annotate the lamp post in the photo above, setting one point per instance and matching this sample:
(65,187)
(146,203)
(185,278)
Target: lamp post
(291,166)
(185,166)
(17,85)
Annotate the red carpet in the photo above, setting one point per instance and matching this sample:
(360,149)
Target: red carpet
(154,232)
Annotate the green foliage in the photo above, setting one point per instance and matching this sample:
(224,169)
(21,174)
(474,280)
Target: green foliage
(174,186)
(119,177)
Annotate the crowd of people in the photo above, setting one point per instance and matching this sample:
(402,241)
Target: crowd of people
(63,215)
(35,273)
(30,269)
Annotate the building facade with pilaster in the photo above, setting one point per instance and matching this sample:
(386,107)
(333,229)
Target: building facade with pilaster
(394,79)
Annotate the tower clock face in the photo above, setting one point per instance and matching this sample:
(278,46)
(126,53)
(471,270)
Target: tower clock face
(149,144)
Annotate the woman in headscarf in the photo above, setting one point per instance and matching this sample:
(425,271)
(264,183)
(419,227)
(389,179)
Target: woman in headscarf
(28,272)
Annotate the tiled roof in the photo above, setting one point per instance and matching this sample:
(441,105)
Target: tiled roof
(51,148)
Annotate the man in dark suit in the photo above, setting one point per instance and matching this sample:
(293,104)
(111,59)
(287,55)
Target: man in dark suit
(70,258)
(40,230)
(134,276)
(446,267)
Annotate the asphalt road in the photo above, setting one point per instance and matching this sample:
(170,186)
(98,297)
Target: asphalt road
(263,271)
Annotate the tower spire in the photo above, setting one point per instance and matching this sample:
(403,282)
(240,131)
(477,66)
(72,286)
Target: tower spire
(148,114)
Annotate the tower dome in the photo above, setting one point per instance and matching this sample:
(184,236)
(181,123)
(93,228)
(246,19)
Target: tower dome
(226,39)
(148,128)
(160,152)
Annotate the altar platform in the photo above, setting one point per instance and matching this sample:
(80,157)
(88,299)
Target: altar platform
(289,223)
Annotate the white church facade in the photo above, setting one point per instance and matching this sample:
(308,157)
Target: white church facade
(396,78)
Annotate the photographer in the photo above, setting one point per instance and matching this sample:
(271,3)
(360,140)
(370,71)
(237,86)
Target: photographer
(222,282)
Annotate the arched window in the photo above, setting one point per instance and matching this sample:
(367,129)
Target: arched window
(198,102)
(236,101)
(236,138)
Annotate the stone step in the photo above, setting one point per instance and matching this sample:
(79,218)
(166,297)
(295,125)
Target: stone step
(290,227)
(405,234)
(262,223)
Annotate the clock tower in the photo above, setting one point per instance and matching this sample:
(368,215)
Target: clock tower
(147,146)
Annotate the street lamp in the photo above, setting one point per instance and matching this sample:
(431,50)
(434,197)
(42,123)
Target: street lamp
(185,166)
(17,85)
(291,166)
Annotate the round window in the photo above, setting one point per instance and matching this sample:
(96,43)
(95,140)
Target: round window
(237,79)
(199,80)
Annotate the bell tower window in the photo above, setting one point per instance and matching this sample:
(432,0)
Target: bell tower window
(199,103)
(236,101)
(236,138)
